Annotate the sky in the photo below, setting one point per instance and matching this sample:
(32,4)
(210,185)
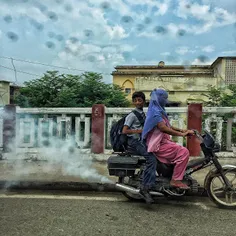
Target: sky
(73,36)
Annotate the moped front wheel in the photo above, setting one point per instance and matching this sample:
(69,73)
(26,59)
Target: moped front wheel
(218,192)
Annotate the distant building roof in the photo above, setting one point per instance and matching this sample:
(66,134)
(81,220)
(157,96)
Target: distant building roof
(164,67)
(15,85)
(5,81)
(220,58)
(186,69)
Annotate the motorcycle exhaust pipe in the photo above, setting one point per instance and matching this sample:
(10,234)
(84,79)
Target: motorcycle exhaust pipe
(127,188)
(133,190)
(156,194)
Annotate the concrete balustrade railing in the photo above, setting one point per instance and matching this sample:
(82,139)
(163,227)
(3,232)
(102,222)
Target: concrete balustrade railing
(89,128)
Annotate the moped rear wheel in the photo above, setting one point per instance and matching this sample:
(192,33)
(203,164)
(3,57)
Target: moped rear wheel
(130,196)
(218,191)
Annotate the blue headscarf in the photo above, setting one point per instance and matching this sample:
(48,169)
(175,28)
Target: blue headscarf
(156,110)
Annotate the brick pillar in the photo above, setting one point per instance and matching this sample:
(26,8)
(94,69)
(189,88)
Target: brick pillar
(9,128)
(98,128)
(194,122)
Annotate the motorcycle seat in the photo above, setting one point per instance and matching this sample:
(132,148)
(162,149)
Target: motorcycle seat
(194,163)
(141,160)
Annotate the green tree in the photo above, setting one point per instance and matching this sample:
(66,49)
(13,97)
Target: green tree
(229,98)
(214,97)
(223,98)
(60,90)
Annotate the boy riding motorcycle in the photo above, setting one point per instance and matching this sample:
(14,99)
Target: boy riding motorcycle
(133,129)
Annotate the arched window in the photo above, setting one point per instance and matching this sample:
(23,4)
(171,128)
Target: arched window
(128,87)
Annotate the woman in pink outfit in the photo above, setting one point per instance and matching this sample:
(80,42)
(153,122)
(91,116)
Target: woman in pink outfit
(157,131)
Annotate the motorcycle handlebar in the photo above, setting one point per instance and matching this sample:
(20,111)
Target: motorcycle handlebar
(196,133)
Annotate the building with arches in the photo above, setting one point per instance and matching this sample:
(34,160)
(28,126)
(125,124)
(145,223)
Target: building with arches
(185,84)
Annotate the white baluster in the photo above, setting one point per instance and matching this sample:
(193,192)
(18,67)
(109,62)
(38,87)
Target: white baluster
(229,134)
(86,134)
(219,126)
(180,125)
(1,133)
(42,122)
(208,124)
(29,131)
(234,120)
(66,119)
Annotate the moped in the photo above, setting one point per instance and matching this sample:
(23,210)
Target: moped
(218,183)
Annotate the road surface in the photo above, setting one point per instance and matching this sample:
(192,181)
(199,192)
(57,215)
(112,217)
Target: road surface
(75,214)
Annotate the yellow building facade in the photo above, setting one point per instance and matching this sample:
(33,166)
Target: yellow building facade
(4,93)
(185,84)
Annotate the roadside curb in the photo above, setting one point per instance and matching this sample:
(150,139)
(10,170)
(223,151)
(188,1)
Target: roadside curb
(48,185)
(70,186)
(99,158)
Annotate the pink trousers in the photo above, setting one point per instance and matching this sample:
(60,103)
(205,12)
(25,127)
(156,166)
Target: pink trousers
(173,153)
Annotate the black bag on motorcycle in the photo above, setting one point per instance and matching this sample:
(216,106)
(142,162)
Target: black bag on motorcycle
(122,165)
(117,139)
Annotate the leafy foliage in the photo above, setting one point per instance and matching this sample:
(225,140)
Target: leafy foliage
(60,90)
(223,98)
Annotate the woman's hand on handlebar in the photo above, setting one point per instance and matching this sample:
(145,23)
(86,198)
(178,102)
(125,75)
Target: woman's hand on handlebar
(183,130)
(188,133)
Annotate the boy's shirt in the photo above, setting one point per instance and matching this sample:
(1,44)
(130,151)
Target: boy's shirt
(133,123)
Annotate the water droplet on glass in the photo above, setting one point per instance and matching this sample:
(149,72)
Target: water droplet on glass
(52,16)
(91,58)
(126,55)
(105,5)
(50,45)
(67,49)
(73,40)
(46,143)
(140,27)
(51,34)
(37,25)
(12,36)
(188,6)
(88,33)
(155,9)
(127,19)
(41,7)
(71,149)
(186,64)
(234,38)
(59,37)
(202,58)
(160,30)
(68,8)
(8,18)
(147,20)
(181,32)
(172,59)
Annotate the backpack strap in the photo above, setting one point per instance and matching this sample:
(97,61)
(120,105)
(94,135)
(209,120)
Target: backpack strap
(139,116)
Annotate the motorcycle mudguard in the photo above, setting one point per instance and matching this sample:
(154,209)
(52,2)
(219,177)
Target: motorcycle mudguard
(214,171)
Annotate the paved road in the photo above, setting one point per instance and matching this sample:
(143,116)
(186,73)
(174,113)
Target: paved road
(75,214)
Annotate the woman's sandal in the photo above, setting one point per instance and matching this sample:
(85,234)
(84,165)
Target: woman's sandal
(179,185)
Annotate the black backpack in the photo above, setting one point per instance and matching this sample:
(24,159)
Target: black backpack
(117,139)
